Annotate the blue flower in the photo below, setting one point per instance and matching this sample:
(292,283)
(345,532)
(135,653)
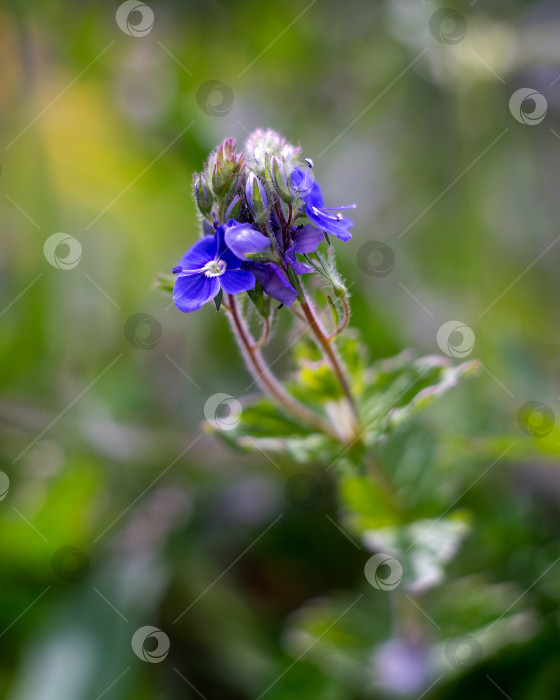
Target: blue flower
(315,209)
(243,239)
(274,282)
(207,267)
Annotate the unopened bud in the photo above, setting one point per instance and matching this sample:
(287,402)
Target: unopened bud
(233,210)
(203,196)
(224,165)
(280,181)
(339,288)
(255,195)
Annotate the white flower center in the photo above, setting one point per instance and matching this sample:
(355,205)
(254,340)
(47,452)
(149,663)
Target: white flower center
(214,268)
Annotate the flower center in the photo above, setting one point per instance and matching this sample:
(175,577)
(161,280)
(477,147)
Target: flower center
(214,268)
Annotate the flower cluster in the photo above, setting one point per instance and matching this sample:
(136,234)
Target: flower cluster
(260,209)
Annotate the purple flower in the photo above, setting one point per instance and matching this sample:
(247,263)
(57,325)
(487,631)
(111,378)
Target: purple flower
(243,239)
(207,267)
(315,208)
(274,282)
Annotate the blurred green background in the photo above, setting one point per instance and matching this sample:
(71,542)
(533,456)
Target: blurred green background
(115,514)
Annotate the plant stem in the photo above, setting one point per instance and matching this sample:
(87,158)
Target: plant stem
(325,345)
(266,380)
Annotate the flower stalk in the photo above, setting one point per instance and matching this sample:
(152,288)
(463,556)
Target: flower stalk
(264,377)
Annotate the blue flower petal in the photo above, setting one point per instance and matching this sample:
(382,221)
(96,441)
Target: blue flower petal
(237,281)
(331,224)
(274,283)
(308,239)
(199,254)
(193,291)
(298,267)
(242,239)
(306,187)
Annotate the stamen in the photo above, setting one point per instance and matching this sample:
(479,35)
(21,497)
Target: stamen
(214,268)
(309,162)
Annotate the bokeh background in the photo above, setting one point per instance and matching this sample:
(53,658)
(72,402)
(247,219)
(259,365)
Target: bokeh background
(115,514)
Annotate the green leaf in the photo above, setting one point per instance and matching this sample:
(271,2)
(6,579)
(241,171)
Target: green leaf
(218,299)
(265,427)
(366,506)
(422,547)
(398,388)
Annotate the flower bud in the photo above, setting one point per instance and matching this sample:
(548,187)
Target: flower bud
(280,181)
(203,196)
(234,208)
(255,195)
(223,165)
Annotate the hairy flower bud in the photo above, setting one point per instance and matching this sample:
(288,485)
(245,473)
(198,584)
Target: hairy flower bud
(280,180)
(255,195)
(203,196)
(234,208)
(223,166)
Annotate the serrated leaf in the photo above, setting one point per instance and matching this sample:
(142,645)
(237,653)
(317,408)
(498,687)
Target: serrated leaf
(398,388)
(422,547)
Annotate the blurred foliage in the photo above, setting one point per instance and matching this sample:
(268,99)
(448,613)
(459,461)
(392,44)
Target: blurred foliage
(100,420)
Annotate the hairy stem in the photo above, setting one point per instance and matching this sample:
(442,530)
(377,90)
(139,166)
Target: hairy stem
(332,357)
(265,334)
(264,377)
